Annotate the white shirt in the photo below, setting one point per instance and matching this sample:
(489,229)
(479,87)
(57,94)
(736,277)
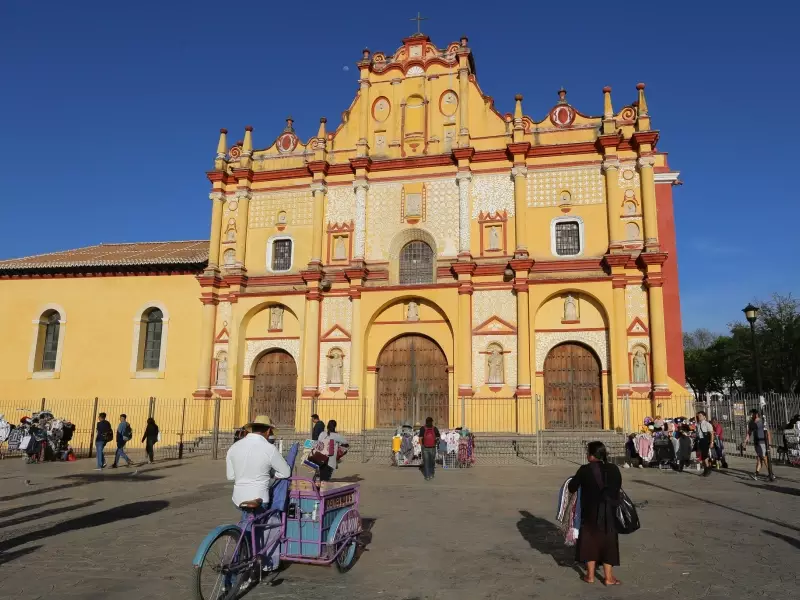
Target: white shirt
(250,462)
(704,429)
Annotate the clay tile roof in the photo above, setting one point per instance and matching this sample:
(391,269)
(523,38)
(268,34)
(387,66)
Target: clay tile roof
(193,253)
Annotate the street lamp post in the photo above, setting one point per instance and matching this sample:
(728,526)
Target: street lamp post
(751,313)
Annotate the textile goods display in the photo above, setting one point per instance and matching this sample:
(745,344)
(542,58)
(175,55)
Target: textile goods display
(568,515)
(42,437)
(456,447)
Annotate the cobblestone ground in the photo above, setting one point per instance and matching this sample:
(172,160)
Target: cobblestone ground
(69,532)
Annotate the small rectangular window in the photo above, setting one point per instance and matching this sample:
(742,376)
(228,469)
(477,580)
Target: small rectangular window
(281,255)
(152,345)
(568,239)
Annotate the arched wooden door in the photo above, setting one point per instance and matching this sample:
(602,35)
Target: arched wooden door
(412,382)
(572,397)
(275,388)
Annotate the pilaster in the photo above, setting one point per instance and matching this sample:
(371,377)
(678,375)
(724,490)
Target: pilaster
(522,269)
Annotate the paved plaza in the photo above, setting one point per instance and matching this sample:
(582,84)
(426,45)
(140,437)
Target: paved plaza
(69,532)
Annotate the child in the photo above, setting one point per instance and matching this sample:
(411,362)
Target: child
(631,454)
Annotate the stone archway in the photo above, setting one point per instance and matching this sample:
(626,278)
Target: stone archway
(275,387)
(412,382)
(572,389)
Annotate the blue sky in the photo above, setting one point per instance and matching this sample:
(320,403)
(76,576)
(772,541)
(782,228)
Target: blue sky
(111,111)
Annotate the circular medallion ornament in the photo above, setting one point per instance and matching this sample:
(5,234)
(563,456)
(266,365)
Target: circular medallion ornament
(448,103)
(286,142)
(381,109)
(235,152)
(233,205)
(627,114)
(562,115)
(627,174)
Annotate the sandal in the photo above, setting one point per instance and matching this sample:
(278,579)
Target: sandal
(585,579)
(614,581)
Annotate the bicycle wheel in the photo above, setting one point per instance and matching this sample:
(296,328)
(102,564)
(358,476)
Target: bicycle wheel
(345,541)
(224,570)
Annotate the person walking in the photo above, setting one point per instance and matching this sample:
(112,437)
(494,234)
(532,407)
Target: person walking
(705,437)
(103,434)
(757,428)
(331,442)
(317,427)
(598,541)
(429,438)
(124,435)
(150,438)
(719,447)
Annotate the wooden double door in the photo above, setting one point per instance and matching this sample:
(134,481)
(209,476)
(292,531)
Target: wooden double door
(275,388)
(572,394)
(412,382)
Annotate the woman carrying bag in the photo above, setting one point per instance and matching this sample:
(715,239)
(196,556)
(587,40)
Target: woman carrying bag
(601,488)
(150,437)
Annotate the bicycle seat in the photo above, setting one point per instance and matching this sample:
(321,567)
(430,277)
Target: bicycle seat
(251,505)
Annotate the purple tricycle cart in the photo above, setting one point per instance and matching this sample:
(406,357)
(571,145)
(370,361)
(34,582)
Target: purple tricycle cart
(311,523)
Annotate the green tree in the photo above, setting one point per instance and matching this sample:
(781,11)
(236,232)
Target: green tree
(699,361)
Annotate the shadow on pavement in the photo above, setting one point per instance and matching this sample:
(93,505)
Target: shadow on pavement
(49,513)
(349,479)
(774,488)
(544,537)
(18,509)
(6,557)
(112,515)
(705,501)
(81,479)
(785,538)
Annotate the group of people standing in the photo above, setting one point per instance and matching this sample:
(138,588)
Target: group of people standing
(105,434)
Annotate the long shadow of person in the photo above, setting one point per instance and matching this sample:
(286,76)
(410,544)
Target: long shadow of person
(544,537)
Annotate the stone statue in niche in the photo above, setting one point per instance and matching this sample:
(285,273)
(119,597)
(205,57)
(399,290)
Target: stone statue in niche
(494,365)
(335,366)
(276,318)
(494,238)
(229,258)
(570,309)
(222,370)
(339,249)
(639,367)
(413,205)
(412,312)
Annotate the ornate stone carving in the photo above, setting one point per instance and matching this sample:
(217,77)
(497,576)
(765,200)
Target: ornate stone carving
(337,311)
(646,162)
(546,341)
(492,193)
(221,379)
(325,350)
(463,179)
(335,367)
(360,186)
(640,367)
(412,311)
(500,303)
(586,185)
(636,303)
(570,308)
(481,345)
(264,208)
(494,364)
(256,347)
(341,204)
(276,318)
(628,177)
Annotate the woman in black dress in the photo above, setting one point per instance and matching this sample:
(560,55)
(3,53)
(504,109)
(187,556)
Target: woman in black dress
(598,541)
(150,438)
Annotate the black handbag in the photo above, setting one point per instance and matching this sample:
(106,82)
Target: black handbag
(627,519)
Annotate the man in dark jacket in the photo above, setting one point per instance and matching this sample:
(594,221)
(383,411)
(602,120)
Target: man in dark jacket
(317,427)
(104,434)
(124,435)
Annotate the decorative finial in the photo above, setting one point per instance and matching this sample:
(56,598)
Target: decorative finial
(518,107)
(289,128)
(222,148)
(419,18)
(642,101)
(365,54)
(247,145)
(321,131)
(464,40)
(248,128)
(562,95)
(608,110)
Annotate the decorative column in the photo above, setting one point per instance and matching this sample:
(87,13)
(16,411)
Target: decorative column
(658,338)
(365,106)
(356,277)
(311,334)
(217,200)
(463,93)
(521,271)
(360,186)
(319,190)
(618,332)
(649,215)
(520,174)
(613,201)
(464,270)
(463,179)
(208,320)
(243,197)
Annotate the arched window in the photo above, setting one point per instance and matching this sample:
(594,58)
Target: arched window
(52,326)
(416,263)
(154,321)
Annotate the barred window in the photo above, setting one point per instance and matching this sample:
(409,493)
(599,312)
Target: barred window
(281,255)
(154,322)
(416,263)
(568,238)
(50,348)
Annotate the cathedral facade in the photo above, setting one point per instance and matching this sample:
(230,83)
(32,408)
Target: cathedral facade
(427,256)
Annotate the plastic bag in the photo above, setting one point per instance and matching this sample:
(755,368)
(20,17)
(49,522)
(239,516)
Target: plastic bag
(626,516)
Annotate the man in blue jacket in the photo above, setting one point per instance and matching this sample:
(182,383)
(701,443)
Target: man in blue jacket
(124,435)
